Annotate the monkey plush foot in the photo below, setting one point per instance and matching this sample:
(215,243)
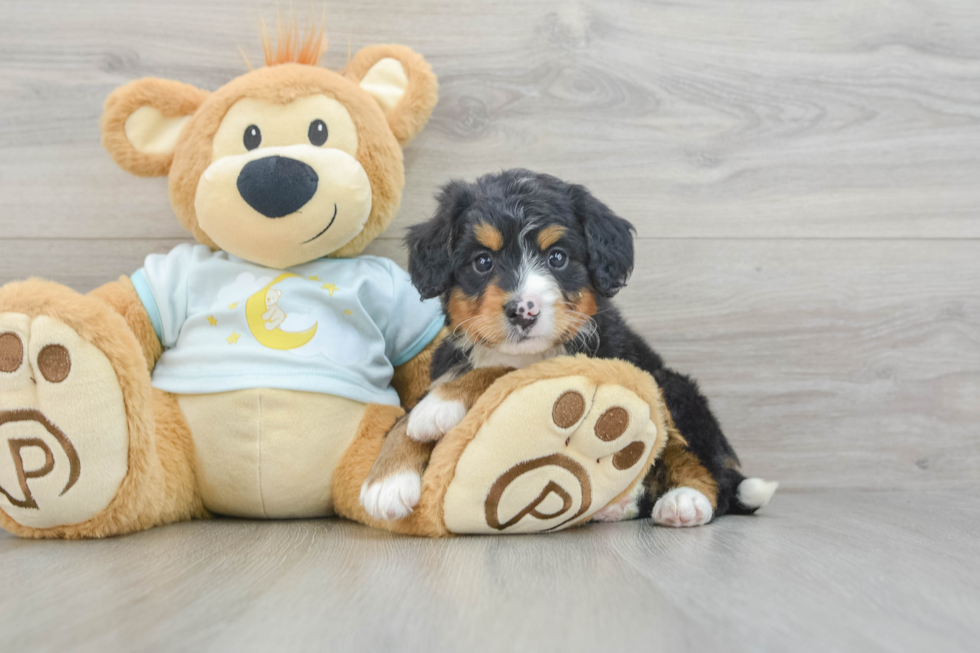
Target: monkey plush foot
(543,449)
(63,420)
(554,453)
(77,454)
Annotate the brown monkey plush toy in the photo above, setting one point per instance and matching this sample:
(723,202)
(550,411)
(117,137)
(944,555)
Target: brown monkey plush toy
(257,373)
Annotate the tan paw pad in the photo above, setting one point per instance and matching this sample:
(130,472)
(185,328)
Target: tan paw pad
(63,432)
(550,456)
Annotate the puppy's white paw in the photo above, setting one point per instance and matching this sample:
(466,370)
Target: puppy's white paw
(433,417)
(393,497)
(682,506)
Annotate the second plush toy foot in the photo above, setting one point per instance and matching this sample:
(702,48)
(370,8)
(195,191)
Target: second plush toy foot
(544,448)
(552,454)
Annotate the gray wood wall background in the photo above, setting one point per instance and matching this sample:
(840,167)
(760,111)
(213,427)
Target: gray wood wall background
(804,177)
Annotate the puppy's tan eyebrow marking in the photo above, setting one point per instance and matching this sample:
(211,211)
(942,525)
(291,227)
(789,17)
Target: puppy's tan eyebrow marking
(550,235)
(489,236)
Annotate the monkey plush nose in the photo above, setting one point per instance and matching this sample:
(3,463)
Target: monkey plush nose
(276,185)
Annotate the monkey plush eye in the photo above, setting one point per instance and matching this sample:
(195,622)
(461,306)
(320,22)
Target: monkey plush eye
(252,137)
(483,263)
(558,259)
(318,132)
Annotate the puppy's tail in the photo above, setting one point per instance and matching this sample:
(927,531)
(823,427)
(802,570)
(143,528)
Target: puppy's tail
(752,494)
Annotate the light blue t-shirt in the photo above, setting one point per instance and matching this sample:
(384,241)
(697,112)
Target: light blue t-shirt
(333,326)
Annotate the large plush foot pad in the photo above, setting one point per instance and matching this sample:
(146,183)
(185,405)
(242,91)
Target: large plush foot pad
(63,424)
(682,507)
(551,455)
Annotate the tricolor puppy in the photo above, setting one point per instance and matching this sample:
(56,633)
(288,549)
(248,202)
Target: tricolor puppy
(525,265)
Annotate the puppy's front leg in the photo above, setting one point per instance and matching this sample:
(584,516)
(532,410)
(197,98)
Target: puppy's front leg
(448,401)
(394,484)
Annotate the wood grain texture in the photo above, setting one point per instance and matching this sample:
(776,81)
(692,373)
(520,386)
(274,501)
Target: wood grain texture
(822,118)
(830,363)
(803,177)
(844,571)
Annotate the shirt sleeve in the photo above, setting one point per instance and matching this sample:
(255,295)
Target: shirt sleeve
(413,322)
(162,287)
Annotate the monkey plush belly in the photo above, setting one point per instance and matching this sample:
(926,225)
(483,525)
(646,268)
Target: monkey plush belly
(267,453)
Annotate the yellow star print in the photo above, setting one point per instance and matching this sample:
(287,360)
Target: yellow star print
(212,320)
(314,278)
(330,287)
(232,306)
(233,338)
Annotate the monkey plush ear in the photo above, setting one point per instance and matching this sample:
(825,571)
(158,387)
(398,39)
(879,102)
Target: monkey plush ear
(402,83)
(142,120)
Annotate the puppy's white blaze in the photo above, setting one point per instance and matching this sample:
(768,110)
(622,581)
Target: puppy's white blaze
(392,498)
(536,282)
(756,492)
(682,507)
(433,417)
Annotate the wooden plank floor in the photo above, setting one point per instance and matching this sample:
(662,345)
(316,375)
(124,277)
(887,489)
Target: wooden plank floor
(835,571)
(805,181)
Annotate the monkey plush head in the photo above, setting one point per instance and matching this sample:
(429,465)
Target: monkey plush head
(287,163)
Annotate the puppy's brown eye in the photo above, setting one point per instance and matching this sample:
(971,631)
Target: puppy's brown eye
(318,132)
(483,263)
(558,259)
(253,137)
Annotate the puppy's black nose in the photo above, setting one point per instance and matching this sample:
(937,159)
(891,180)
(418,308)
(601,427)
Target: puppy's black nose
(276,186)
(522,313)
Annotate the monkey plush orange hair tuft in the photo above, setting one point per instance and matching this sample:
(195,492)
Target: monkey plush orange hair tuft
(291,46)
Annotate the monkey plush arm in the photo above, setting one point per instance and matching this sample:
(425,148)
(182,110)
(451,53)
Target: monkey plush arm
(121,296)
(411,380)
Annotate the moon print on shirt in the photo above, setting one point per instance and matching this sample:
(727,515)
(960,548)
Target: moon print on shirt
(264,317)
(293,310)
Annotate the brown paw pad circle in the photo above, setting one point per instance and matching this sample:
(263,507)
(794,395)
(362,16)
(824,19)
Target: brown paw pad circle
(568,410)
(54,363)
(11,352)
(628,455)
(612,424)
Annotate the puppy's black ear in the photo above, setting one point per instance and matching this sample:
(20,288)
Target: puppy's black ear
(430,244)
(609,240)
